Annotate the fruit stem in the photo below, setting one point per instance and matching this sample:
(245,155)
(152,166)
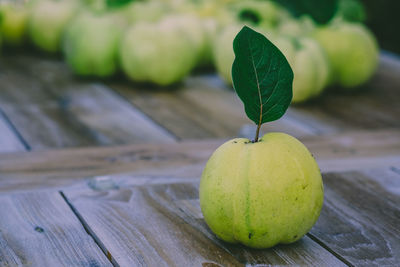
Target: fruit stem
(257,133)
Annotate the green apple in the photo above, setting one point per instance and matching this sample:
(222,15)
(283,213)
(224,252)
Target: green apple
(149,11)
(195,28)
(351,10)
(158,53)
(256,12)
(223,52)
(352,51)
(302,26)
(91,44)
(309,63)
(261,194)
(13,22)
(48,20)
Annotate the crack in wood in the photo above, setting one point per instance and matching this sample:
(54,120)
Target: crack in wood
(89,231)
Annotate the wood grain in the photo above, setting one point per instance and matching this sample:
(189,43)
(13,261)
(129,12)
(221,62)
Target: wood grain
(202,108)
(10,140)
(162,225)
(373,106)
(361,217)
(52,108)
(39,229)
(22,171)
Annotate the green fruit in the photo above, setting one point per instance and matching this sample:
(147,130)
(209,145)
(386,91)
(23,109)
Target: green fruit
(261,194)
(150,11)
(351,10)
(47,21)
(157,52)
(223,52)
(310,66)
(13,22)
(256,12)
(297,27)
(91,44)
(352,51)
(192,27)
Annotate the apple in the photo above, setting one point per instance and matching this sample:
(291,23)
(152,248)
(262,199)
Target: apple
(256,12)
(352,51)
(91,44)
(263,193)
(309,63)
(47,21)
(158,53)
(150,11)
(13,21)
(302,26)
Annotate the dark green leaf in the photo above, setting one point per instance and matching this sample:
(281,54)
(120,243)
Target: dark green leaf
(322,11)
(261,76)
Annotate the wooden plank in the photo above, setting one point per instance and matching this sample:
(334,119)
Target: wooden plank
(201,109)
(52,108)
(10,141)
(375,106)
(22,171)
(36,115)
(110,118)
(161,225)
(39,229)
(361,217)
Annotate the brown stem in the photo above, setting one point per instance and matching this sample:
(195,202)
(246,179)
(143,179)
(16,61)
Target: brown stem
(258,132)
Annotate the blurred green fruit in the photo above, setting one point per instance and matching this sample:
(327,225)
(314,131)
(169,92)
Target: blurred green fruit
(91,44)
(223,54)
(352,51)
(261,194)
(47,22)
(256,12)
(157,52)
(351,10)
(13,22)
(297,27)
(194,28)
(309,63)
(150,11)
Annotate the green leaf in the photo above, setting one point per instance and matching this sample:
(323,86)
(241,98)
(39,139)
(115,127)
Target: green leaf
(261,76)
(322,11)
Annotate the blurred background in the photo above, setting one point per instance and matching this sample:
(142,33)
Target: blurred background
(103,72)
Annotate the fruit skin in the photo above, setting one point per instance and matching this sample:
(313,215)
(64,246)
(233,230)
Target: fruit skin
(352,51)
(47,21)
(91,44)
(261,194)
(158,53)
(310,66)
(13,22)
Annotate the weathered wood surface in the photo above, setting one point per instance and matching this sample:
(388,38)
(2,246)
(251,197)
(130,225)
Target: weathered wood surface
(51,108)
(162,225)
(361,217)
(203,107)
(10,140)
(40,229)
(22,171)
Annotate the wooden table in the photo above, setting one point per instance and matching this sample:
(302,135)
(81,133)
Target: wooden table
(101,173)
